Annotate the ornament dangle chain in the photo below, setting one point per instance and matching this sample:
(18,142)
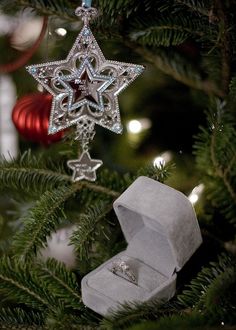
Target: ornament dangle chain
(85,133)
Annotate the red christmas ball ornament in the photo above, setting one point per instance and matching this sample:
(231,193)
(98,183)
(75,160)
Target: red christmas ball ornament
(31,118)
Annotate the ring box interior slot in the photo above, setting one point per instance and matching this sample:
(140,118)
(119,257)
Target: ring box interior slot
(162,232)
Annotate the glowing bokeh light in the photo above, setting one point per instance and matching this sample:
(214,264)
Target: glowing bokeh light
(193,198)
(196,193)
(159,162)
(162,159)
(134,126)
(61,32)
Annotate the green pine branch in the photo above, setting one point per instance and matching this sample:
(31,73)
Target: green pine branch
(98,188)
(221,10)
(171,63)
(122,8)
(114,181)
(21,327)
(61,319)
(41,221)
(211,64)
(60,282)
(169,30)
(194,321)
(231,98)
(30,174)
(38,293)
(16,316)
(219,300)
(90,226)
(131,313)
(159,173)
(34,175)
(19,284)
(215,150)
(202,7)
(196,292)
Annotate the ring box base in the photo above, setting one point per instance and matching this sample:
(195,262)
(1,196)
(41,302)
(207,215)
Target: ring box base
(162,232)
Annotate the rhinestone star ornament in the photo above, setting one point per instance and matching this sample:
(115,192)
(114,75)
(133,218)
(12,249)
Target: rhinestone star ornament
(85,88)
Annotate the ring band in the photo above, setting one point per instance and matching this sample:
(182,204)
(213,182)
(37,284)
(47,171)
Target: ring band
(123,268)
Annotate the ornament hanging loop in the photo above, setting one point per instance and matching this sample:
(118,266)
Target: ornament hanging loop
(86,3)
(86,13)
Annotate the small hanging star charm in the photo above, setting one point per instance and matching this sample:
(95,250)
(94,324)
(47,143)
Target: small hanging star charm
(84,167)
(85,88)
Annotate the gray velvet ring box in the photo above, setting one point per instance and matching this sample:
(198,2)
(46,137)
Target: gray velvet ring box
(162,232)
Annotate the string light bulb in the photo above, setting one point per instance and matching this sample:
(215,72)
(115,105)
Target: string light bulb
(196,193)
(162,159)
(159,162)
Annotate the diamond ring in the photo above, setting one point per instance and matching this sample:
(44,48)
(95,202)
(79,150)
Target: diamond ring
(122,269)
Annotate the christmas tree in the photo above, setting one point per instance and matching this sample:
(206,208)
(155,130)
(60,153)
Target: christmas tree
(187,94)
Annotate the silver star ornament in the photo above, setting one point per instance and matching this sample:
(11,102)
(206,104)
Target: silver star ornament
(85,87)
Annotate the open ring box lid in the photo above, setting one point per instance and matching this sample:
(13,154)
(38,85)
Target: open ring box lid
(162,232)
